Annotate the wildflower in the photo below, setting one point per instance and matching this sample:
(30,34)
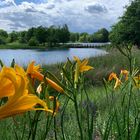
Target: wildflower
(80,67)
(7,82)
(34,72)
(83,65)
(125,73)
(114,76)
(20,101)
(117,83)
(137,81)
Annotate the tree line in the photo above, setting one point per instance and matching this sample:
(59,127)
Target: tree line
(50,36)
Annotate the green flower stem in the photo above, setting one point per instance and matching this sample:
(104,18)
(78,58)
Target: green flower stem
(33,124)
(62,118)
(77,117)
(128,112)
(48,124)
(55,129)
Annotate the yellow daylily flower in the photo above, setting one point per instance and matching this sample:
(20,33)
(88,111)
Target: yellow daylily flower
(20,101)
(125,73)
(7,82)
(82,65)
(137,81)
(114,76)
(34,72)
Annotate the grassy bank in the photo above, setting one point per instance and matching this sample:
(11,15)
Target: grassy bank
(17,45)
(114,61)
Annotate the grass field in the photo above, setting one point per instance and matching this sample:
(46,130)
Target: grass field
(16,45)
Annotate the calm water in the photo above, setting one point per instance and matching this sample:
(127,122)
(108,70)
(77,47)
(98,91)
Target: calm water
(23,57)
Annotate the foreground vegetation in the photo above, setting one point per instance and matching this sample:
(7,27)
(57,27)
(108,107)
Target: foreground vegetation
(80,105)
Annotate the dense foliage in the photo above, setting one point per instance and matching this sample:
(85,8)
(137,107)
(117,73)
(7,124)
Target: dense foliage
(127,30)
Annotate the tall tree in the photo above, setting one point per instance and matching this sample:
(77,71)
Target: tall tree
(100,36)
(127,30)
(64,34)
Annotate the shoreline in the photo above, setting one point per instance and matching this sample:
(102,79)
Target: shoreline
(58,46)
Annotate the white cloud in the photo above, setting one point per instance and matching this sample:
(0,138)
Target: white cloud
(7,2)
(80,15)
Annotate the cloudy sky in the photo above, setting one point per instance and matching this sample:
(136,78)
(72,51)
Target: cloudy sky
(79,15)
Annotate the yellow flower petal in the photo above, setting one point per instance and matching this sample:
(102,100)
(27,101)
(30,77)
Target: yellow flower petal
(137,81)
(8,82)
(34,72)
(125,73)
(117,83)
(82,65)
(112,76)
(21,105)
(85,68)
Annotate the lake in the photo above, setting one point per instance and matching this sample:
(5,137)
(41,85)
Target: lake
(23,57)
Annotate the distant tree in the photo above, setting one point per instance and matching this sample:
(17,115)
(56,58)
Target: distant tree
(52,36)
(3,36)
(33,42)
(13,36)
(101,35)
(127,30)
(41,34)
(22,37)
(64,34)
(74,37)
(3,33)
(30,33)
(2,41)
(84,37)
